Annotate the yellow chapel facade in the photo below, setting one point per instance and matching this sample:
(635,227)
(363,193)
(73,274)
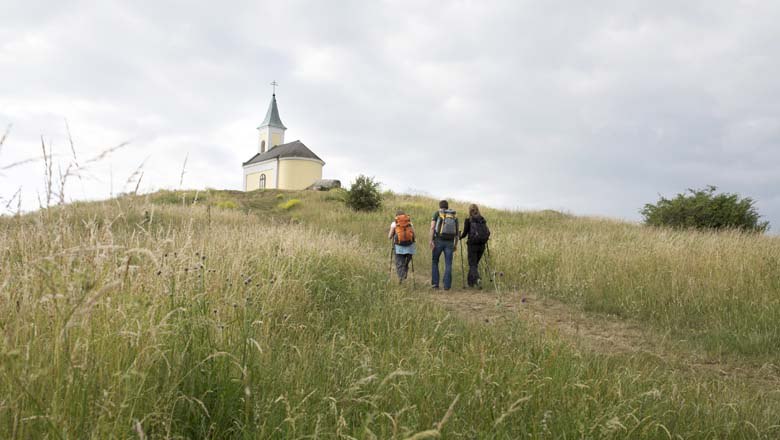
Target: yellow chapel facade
(280,165)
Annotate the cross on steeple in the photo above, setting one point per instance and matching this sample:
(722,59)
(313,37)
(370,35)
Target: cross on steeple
(274,84)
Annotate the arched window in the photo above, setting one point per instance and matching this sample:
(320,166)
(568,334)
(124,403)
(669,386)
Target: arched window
(262,181)
(262,146)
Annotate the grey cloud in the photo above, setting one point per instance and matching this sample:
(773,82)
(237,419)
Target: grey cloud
(592,107)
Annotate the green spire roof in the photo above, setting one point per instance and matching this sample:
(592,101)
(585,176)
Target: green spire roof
(272,115)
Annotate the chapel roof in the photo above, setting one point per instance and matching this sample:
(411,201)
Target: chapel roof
(291,149)
(272,115)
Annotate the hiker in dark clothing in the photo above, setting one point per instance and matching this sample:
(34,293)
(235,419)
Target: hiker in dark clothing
(475,228)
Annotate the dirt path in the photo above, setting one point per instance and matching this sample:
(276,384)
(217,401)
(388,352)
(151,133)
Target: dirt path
(597,332)
(601,333)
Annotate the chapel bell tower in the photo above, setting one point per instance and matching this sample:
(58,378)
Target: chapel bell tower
(271,130)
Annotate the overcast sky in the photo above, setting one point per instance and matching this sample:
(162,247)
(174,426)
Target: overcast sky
(588,107)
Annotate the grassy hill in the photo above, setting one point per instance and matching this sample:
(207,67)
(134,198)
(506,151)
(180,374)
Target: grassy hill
(223,314)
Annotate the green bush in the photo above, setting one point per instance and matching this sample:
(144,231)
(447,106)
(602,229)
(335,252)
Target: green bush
(704,209)
(364,194)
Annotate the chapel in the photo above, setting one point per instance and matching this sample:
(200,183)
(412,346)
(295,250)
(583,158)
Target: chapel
(280,165)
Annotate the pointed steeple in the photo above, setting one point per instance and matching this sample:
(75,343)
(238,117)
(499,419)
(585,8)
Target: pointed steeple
(272,116)
(271,130)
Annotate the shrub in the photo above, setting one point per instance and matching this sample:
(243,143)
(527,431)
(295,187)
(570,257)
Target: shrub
(364,194)
(704,209)
(289,204)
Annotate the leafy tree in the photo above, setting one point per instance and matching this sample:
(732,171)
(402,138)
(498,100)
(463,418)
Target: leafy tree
(704,209)
(364,194)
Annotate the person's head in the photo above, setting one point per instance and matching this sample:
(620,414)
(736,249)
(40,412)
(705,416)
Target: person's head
(444,205)
(473,210)
(399,212)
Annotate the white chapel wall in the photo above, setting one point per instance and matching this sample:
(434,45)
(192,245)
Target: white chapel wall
(253,172)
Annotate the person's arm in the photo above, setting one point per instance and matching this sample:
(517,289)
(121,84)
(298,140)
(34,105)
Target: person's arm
(433,229)
(466,226)
(391,232)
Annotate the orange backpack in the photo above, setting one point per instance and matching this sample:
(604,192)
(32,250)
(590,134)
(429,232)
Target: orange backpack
(404,233)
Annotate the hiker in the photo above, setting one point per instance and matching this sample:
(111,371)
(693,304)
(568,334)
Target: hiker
(476,229)
(402,235)
(444,238)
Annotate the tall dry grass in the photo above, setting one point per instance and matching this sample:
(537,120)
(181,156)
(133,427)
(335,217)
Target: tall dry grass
(178,319)
(720,290)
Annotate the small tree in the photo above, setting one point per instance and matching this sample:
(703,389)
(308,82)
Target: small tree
(364,194)
(704,209)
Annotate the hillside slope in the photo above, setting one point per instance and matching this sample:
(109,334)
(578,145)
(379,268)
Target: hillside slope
(225,314)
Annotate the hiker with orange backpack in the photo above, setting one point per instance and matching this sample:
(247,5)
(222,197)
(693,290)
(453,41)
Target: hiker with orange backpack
(402,235)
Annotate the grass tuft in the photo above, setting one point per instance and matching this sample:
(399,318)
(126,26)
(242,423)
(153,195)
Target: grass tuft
(227,204)
(289,204)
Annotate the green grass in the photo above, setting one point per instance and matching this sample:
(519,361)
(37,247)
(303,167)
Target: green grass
(160,317)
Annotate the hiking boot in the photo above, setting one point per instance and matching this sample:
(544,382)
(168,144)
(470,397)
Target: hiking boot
(434,287)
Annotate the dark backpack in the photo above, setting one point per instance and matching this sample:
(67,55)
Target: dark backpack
(479,233)
(446,226)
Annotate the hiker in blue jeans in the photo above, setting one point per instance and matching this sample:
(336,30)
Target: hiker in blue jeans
(444,238)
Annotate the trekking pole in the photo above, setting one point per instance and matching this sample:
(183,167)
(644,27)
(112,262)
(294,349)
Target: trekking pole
(412,263)
(462,273)
(392,252)
(493,275)
(487,262)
